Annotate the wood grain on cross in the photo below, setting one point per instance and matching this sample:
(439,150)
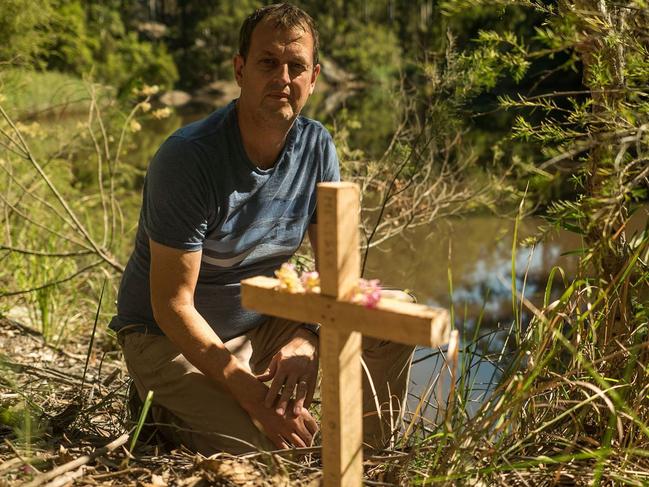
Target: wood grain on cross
(343,323)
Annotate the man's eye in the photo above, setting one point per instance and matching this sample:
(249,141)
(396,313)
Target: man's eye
(267,62)
(297,67)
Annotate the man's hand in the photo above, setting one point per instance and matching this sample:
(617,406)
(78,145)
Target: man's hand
(295,365)
(284,430)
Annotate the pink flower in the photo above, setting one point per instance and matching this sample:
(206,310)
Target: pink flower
(311,282)
(367,293)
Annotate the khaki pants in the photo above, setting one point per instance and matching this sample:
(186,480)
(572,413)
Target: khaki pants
(206,418)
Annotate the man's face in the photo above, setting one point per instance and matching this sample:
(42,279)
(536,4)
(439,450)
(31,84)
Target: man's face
(278,75)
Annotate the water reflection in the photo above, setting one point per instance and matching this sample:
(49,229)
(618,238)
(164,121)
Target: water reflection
(478,253)
(467,264)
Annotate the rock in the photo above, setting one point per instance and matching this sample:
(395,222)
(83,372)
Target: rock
(217,93)
(175,98)
(153,30)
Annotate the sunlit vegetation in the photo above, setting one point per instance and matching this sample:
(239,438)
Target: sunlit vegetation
(505,106)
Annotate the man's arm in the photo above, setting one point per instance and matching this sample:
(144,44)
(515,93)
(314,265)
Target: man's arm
(173,277)
(295,366)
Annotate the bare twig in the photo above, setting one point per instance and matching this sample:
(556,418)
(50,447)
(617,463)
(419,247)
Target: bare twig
(41,253)
(74,464)
(80,227)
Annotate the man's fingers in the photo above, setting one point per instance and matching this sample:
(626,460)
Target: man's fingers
(300,396)
(265,376)
(299,442)
(275,386)
(279,442)
(311,424)
(273,390)
(287,392)
(310,392)
(304,432)
(270,371)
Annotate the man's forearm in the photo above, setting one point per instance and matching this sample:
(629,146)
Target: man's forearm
(189,331)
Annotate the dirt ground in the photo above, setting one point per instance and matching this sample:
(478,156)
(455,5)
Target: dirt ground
(65,422)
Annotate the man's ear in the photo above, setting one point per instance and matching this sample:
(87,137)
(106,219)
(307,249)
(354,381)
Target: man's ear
(314,77)
(237,64)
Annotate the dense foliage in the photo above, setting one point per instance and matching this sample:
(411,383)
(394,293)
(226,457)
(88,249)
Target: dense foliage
(83,38)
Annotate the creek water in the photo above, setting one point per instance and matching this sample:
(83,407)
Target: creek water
(466,264)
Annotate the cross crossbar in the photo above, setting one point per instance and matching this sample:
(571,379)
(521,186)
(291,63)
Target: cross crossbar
(397,321)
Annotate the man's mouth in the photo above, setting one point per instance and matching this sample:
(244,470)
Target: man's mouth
(278,96)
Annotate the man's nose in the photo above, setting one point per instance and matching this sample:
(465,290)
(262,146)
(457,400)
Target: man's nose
(284,75)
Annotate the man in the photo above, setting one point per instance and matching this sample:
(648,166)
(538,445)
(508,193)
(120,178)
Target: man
(226,198)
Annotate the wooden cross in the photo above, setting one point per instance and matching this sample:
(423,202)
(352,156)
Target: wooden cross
(343,323)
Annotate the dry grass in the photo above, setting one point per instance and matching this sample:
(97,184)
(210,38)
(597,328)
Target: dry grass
(47,422)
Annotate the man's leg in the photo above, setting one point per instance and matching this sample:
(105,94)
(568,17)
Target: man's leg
(268,339)
(385,389)
(203,416)
(388,364)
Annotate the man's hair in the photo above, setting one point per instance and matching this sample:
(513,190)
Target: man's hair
(283,15)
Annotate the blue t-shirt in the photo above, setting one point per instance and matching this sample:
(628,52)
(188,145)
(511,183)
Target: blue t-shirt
(203,193)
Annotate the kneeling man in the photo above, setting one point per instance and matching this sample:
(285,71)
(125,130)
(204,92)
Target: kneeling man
(226,198)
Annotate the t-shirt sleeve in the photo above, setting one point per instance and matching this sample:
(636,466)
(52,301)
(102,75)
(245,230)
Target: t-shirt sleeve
(175,203)
(330,166)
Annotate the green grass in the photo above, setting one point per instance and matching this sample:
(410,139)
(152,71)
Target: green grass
(28,92)
(140,422)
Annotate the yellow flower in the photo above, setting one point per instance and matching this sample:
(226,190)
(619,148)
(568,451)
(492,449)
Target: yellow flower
(135,126)
(149,90)
(145,106)
(288,279)
(2,98)
(161,113)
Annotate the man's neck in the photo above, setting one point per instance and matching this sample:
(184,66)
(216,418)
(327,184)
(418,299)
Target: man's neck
(262,142)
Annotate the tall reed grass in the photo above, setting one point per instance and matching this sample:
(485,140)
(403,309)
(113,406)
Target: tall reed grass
(568,400)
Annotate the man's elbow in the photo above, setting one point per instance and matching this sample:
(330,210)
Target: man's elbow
(169,309)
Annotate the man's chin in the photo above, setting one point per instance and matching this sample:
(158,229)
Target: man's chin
(282,115)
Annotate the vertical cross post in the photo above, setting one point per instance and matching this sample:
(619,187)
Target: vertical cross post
(343,322)
(339,267)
